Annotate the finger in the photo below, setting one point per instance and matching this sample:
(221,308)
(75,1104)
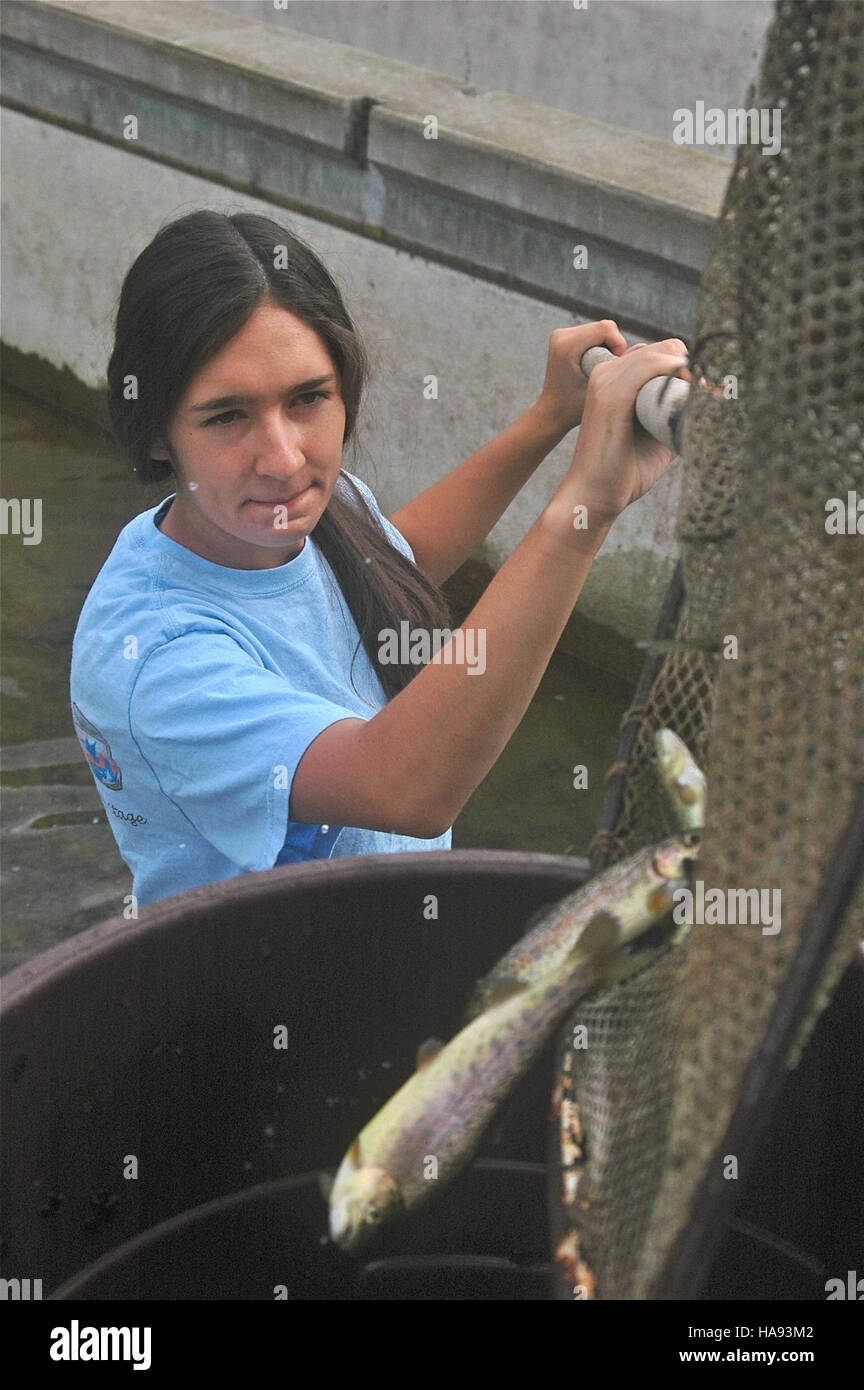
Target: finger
(627,375)
(603,333)
(658,356)
(675,347)
(613,337)
(651,362)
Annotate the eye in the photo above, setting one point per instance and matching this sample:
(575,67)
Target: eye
(221,419)
(225,418)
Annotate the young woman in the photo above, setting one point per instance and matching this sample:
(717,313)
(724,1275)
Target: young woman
(233,685)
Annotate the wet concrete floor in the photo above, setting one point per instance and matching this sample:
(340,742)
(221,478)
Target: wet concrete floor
(61,871)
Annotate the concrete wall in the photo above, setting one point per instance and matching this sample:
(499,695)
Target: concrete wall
(455,254)
(627,62)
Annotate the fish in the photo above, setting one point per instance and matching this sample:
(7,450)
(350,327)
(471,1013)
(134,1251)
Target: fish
(430,1129)
(682,780)
(636,892)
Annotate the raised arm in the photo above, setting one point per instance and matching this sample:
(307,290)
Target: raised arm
(445,523)
(411,768)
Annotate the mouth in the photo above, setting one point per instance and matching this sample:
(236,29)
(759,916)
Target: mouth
(295,500)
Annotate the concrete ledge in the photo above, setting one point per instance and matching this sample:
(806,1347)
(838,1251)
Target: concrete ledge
(505,191)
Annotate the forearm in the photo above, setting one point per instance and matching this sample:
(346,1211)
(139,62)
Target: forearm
(439,737)
(446,523)
(413,765)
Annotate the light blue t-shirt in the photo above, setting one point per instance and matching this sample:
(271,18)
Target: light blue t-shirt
(196,689)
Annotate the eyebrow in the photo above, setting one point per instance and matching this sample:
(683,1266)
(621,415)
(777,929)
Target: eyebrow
(221,402)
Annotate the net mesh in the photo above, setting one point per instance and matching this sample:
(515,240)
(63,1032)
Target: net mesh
(779,729)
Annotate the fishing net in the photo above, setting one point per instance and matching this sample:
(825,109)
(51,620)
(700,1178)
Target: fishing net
(779,728)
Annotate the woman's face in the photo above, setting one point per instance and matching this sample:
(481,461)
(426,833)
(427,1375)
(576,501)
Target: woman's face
(256,471)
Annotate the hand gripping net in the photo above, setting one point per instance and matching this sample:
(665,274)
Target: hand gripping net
(779,730)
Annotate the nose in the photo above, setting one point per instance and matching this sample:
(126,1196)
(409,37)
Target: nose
(278,446)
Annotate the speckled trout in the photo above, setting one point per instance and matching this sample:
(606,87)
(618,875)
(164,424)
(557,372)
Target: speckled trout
(431,1128)
(682,779)
(635,893)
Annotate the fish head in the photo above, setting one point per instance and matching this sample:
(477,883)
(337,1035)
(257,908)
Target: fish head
(682,778)
(361,1201)
(671,753)
(673,858)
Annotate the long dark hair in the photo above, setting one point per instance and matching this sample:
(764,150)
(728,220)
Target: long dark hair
(184,297)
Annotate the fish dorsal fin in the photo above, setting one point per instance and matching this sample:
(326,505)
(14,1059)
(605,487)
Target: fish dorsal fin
(503,989)
(428,1051)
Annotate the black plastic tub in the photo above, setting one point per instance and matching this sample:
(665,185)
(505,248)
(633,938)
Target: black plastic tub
(148,1046)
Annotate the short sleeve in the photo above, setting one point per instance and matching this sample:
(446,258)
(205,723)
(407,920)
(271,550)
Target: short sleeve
(395,537)
(223,736)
